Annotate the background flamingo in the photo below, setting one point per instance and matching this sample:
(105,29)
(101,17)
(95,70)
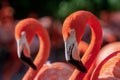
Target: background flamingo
(82,47)
(59,70)
(55,71)
(25,31)
(77,22)
(107,50)
(107,62)
(108,69)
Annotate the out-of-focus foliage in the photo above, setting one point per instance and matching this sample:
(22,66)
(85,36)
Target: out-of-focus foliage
(41,7)
(67,7)
(114,4)
(61,8)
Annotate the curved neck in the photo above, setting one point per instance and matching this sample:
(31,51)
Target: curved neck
(33,27)
(78,21)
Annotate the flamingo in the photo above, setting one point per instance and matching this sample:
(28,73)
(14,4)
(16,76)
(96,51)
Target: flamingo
(24,33)
(108,68)
(82,47)
(107,62)
(73,30)
(59,68)
(107,50)
(55,71)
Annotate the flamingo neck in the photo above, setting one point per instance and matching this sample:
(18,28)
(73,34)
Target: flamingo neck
(78,21)
(33,27)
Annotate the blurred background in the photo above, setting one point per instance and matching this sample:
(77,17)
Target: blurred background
(51,14)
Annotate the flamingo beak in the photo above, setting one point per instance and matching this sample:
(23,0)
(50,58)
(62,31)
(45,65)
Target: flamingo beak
(27,61)
(70,57)
(23,51)
(72,53)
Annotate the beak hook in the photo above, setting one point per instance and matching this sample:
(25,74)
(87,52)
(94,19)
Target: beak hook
(72,53)
(77,63)
(24,51)
(27,61)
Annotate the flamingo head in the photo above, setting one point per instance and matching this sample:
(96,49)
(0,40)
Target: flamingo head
(72,52)
(23,50)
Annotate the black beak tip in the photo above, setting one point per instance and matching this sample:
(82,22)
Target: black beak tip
(83,68)
(79,65)
(33,66)
(27,61)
